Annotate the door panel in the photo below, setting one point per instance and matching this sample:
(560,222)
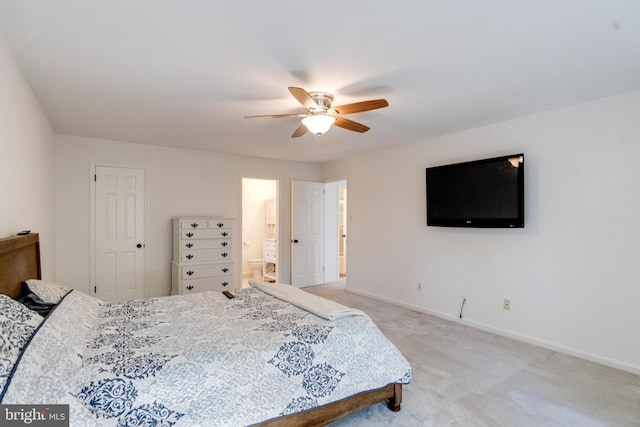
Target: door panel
(119,229)
(307,231)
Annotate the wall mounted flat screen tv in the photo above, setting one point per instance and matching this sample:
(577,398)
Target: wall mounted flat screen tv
(482,193)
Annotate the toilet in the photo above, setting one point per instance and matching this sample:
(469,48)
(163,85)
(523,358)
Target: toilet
(255,265)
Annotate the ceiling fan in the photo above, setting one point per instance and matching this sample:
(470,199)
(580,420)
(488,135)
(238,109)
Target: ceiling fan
(321,115)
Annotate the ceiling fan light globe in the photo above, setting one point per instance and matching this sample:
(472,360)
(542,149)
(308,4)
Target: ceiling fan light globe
(319,123)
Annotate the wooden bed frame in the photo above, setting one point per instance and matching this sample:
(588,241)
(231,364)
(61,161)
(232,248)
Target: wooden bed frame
(20,260)
(325,414)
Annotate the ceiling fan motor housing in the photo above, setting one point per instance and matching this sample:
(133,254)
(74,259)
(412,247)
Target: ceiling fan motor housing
(323,99)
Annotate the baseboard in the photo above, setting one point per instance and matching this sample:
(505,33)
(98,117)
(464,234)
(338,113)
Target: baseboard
(519,337)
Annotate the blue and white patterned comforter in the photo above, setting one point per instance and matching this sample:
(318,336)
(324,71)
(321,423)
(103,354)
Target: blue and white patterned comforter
(198,359)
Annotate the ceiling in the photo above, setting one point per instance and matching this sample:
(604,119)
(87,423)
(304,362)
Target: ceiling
(185,73)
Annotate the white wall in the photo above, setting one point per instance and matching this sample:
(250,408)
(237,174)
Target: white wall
(571,274)
(178,183)
(26,162)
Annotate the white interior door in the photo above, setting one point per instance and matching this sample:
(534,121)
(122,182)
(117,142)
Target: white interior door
(119,233)
(307,233)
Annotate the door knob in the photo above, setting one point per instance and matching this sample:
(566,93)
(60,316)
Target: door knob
(295,240)
(139,245)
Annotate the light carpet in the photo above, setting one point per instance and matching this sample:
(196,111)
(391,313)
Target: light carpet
(467,377)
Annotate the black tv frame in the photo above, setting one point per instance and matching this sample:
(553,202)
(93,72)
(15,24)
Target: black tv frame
(512,222)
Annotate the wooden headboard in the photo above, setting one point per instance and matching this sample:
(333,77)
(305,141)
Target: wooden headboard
(19,261)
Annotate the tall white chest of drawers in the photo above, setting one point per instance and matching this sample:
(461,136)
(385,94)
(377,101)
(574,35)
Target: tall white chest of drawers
(202,255)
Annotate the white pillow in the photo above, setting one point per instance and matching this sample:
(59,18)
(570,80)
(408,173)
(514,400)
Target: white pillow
(17,325)
(47,292)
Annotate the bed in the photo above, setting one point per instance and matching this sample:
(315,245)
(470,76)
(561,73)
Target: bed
(192,360)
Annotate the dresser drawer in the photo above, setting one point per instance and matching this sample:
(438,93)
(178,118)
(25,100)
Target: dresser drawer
(205,270)
(221,283)
(203,255)
(204,224)
(194,224)
(269,245)
(206,233)
(220,223)
(196,244)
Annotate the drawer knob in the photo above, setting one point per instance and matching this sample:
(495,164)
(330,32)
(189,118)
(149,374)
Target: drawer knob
(225,243)
(224,255)
(189,256)
(194,225)
(189,273)
(225,269)
(189,234)
(220,225)
(190,287)
(189,245)
(224,283)
(225,234)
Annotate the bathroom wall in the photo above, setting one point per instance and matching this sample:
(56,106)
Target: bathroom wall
(255,193)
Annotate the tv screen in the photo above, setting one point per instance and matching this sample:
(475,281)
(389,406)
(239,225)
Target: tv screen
(481,193)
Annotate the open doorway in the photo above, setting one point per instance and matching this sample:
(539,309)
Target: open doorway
(342,229)
(259,230)
(335,224)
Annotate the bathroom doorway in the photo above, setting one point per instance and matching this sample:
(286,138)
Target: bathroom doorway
(259,230)
(335,224)
(342,229)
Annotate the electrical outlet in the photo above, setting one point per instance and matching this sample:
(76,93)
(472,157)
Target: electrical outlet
(506,304)
(419,286)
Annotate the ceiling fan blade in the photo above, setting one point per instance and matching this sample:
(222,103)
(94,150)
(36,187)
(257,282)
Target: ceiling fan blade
(276,116)
(358,107)
(303,97)
(301,130)
(350,125)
